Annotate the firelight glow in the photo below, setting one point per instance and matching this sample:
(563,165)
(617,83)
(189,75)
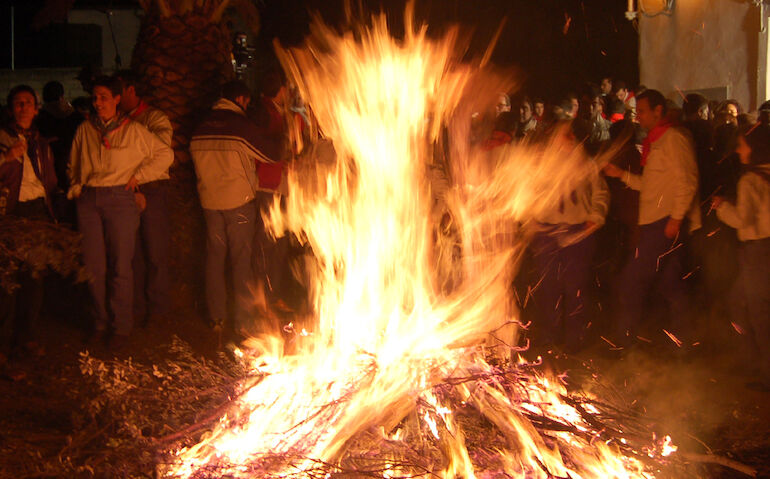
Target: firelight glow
(387,327)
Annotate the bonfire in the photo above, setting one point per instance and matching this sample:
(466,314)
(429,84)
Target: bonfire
(407,365)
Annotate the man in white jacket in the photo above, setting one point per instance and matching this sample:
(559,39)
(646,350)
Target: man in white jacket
(668,202)
(111,156)
(151,258)
(226,149)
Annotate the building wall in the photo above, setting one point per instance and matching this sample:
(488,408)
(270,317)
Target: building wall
(125,24)
(706,44)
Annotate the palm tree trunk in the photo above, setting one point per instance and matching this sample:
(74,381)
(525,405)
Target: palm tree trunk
(182,60)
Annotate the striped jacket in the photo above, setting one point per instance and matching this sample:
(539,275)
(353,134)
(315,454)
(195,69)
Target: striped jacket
(226,151)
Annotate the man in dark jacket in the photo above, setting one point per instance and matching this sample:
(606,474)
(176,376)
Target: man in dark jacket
(27,184)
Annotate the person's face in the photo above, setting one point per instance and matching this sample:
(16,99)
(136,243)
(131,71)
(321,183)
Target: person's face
(539,109)
(703,112)
(24,109)
(646,116)
(503,105)
(732,110)
(105,103)
(525,112)
(606,86)
(575,107)
(596,107)
(744,150)
(621,94)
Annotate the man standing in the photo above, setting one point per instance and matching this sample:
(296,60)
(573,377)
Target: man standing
(27,184)
(226,149)
(151,258)
(111,156)
(627,97)
(667,189)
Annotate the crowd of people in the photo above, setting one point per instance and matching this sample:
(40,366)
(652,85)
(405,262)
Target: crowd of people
(680,179)
(676,224)
(105,173)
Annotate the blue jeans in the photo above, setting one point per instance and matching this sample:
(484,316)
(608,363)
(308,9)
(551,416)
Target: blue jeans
(151,258)
(754,284)
(230,235)
(108,219)
(656,263)
(564,276)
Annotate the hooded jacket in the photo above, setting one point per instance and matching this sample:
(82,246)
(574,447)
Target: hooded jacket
(227,149)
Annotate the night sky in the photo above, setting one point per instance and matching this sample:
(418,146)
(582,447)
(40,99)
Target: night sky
(598,40)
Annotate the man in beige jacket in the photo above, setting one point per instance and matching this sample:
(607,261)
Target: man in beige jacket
(668,205)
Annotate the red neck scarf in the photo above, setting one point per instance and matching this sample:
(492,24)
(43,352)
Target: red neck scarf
(105,129)
(652,136)
(138,110)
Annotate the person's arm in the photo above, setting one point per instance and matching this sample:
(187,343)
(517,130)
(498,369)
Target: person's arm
(740,214)
(75,166)
(158,156)
(631,180)
(600,201)
(684,170)
(161,127)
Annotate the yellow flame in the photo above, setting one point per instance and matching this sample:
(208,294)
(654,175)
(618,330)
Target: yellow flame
(387,326)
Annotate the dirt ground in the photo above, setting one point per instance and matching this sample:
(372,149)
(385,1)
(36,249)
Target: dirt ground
(701,398)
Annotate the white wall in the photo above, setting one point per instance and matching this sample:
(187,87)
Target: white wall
(125,24)
(706,44)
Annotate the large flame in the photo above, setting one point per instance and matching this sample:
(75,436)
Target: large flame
(388,322)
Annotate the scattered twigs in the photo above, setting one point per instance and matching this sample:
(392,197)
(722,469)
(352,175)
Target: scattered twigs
(720,460)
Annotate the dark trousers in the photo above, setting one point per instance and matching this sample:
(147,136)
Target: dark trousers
(108,219)
(272,255)
(563,278)
(20,310)
(656,263)
(151,257)
(754,284)
(230,236)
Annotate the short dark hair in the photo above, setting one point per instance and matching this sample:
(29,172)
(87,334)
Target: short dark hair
(53,91)
(693,103)
(128,78)
(235,88)
(109,82)
(620,85)
(758,139)
(654,98)
(19,89)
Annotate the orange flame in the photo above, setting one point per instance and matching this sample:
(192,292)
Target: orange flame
(388,326)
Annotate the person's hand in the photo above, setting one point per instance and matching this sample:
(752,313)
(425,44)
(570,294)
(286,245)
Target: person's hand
(141,201)
(672,228)
(716,201)
(612,171)
(133,184)
(16,151)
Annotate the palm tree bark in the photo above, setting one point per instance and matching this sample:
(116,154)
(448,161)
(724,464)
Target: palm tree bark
(182,60)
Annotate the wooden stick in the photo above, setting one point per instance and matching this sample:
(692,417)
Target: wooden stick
(722,461)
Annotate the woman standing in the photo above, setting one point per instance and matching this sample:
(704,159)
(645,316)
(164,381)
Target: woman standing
(750,216)
(111,155)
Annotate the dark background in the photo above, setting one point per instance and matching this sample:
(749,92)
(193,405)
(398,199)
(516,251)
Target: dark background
(599,40)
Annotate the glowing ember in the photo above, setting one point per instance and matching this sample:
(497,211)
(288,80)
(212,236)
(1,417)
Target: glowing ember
(388,329)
